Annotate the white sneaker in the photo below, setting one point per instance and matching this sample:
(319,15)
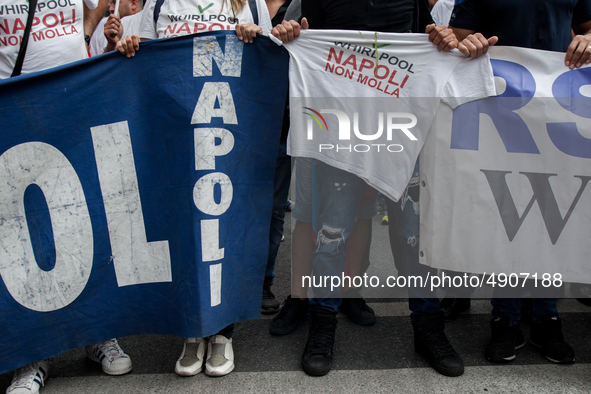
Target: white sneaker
(220,356)
(28,379)
(111,356)
(191,360)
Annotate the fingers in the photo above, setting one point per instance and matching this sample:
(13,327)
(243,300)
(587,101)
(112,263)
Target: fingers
(475,45)
(247,32)
(305,24)
(444,38)
(288,30)
(578,52)
(129,45)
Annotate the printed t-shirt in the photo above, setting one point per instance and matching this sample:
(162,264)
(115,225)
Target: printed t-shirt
(57,34)
(345,106)
(179,18)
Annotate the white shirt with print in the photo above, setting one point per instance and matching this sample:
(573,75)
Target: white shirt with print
(57,34)
(368,110)
(179,18)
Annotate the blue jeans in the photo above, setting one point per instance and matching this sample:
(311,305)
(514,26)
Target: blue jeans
(280,192)
(403,228)
(511,308)
(340,195)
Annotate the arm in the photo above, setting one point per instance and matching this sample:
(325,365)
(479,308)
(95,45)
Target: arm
(579,50)
(93,17)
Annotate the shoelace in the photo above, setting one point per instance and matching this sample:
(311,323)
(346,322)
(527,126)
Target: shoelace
(322,339)
(111,349)
(25,376)
(440,344)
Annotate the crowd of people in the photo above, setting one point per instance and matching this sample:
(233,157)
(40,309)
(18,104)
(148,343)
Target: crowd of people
(471,26)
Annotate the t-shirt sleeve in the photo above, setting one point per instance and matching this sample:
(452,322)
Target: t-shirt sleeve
(471,79)
(582,12)
(147,25)
(92,4)
(465,15)
(264,18)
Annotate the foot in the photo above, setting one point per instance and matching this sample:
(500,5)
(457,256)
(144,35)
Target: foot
(317,357)
(270,304)
(220,356)
(191,360)
(505,339)
(112,358)
(548,337)
(29,379)
(432,343)
(293,312)
(452,307)
(358,311)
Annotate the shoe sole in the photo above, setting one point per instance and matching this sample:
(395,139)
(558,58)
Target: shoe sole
(189,372)
(316,371)
(286,330)
(505,359)
(270,311)
(563,361)
(218,373)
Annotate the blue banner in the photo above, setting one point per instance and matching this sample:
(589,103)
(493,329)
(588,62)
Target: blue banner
(137,193)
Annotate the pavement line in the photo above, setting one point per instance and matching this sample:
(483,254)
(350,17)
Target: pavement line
(546,378)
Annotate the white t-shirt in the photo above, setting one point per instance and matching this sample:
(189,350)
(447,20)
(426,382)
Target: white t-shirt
(441,12)
(179,18)
(98,41)
(57,34)
(340,99)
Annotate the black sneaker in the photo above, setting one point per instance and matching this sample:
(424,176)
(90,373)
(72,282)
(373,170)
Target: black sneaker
(358,311)
(452,307)
(504,340)
(293,312)
(548,337)
(317,357)
(432,343)
(269,304)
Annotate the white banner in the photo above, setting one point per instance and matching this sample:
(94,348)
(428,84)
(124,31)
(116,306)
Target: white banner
(505,180)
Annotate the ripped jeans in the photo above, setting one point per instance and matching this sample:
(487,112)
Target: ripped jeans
(403,228)
(340,195)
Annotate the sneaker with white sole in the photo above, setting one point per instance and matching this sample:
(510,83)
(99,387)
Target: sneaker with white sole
(28,379)
(220,356)
(112,358)
(191,360)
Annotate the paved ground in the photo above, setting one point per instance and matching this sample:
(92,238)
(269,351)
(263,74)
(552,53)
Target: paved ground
(379,358)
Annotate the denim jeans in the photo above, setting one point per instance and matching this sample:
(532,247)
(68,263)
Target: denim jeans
(280,192)
(403,228)
(511,308)
(340,195)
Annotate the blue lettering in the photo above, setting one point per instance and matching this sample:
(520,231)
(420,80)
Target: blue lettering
(513,131)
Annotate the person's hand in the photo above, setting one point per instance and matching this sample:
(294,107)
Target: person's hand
(129,45)
(443,37)
(248,31)
(289,30)
(476,45)
(578,52)
(113,32)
